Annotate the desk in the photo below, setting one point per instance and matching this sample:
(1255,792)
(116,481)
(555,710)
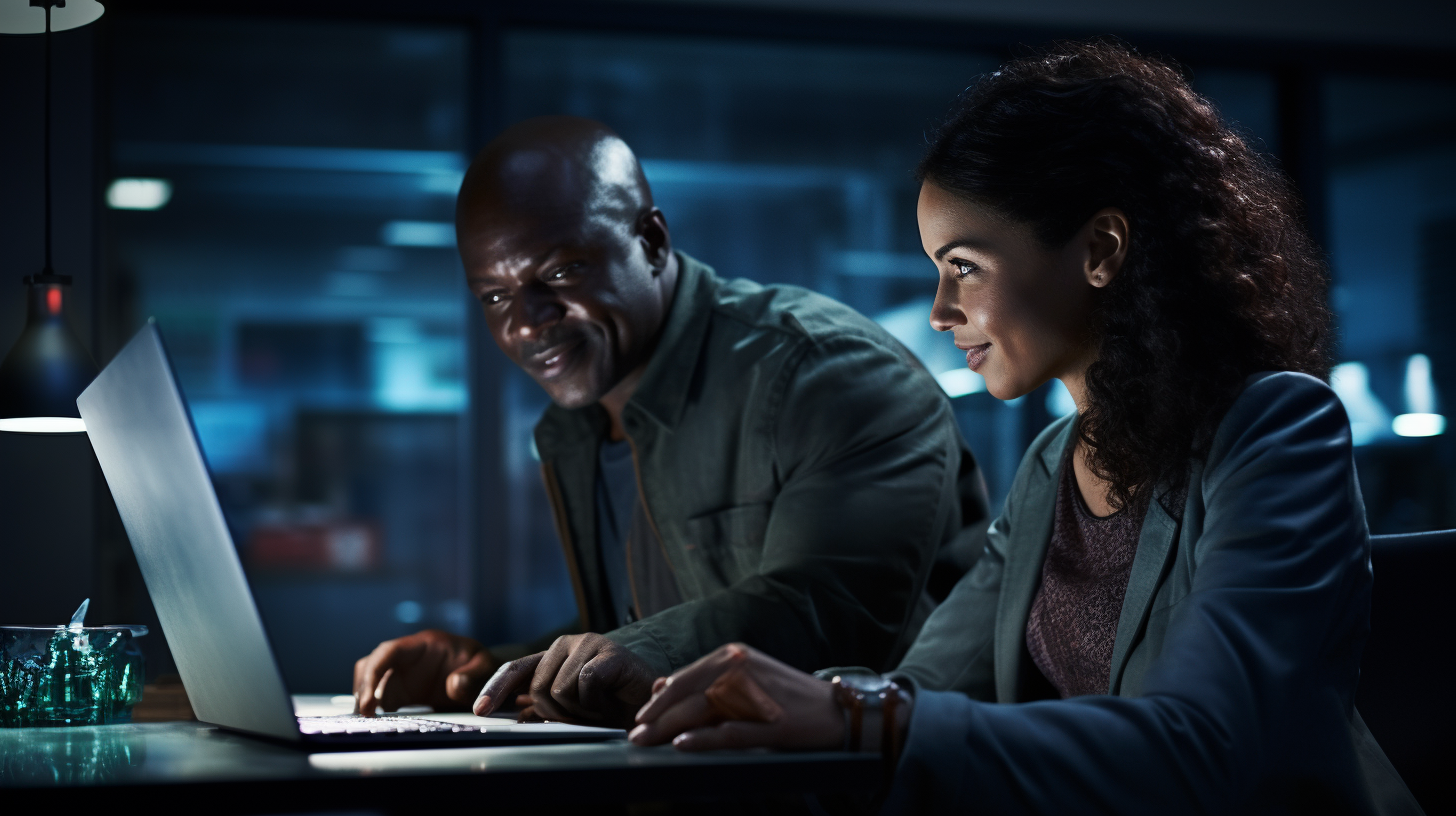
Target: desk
(193,767)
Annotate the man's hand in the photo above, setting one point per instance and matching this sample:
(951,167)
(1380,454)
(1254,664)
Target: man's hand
(739,697)
(581,678)
(432,668)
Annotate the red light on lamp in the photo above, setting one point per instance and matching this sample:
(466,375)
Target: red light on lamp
(47,367)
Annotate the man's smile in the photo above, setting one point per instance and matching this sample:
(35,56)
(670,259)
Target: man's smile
(551,362)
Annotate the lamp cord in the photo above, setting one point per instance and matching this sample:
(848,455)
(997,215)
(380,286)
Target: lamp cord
(49,270)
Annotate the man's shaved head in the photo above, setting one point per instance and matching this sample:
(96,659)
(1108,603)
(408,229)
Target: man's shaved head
(572,262)
(553,163)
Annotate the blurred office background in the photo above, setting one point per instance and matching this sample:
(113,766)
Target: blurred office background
(275,184)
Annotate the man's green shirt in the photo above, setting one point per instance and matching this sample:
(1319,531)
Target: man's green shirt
(800,471)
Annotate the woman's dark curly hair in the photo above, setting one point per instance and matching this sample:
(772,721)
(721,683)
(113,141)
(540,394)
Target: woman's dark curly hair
(1220,279)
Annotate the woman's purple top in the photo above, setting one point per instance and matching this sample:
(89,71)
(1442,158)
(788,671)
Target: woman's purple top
(1074,617)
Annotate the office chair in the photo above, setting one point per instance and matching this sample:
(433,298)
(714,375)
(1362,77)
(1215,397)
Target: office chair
(1407,692)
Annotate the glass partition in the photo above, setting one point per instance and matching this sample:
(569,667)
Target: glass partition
(789,163)
(783,163)
(1392,224)
(282,199)
(282,202)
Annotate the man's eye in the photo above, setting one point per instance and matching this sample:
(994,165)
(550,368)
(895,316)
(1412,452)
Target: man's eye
(492,298)
(561,273)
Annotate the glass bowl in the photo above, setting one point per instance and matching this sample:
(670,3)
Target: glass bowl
(59,676)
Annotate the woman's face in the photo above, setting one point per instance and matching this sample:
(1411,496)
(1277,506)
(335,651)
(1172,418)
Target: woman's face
(1020,311)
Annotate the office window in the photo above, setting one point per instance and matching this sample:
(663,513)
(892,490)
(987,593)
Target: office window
(1246,100)
(783,163)
(282,201)
(1392,223)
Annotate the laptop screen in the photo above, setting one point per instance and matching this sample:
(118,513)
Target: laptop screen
(143,436)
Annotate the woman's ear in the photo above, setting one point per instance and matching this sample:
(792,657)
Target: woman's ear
(1105,236)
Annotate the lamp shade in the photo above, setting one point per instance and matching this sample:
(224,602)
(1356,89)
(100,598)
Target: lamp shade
(47,368)
(28,17)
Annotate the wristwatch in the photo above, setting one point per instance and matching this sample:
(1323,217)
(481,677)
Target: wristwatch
(876,710)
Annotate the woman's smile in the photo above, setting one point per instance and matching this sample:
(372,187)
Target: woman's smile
(976,355)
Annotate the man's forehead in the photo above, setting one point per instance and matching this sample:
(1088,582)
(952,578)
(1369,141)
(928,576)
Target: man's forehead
(548,203)
(523,216)
(512,239)
(521,204)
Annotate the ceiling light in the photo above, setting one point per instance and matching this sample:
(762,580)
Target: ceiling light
(419,234)
(1419,425)
(139,194)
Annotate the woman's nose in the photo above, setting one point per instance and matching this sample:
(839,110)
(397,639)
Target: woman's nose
(945,312)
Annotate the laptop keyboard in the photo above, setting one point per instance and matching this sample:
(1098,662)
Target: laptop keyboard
(379,725)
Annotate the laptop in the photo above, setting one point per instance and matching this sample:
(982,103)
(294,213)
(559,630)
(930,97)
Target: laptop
(142,432)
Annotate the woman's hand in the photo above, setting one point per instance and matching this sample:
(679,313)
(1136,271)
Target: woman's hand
(739,697)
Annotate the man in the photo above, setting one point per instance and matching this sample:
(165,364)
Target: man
(725,461)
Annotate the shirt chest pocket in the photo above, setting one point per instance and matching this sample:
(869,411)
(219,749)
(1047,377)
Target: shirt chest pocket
(725,546)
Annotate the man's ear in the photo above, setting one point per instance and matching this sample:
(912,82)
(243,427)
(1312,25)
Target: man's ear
(656,241)
(1105,236)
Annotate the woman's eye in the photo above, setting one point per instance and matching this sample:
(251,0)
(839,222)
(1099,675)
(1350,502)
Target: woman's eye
(963,268)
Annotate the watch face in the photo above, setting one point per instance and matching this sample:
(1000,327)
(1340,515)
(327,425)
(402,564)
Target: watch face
(869,684)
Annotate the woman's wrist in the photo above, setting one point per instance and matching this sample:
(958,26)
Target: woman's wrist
(876,714)
(897,725)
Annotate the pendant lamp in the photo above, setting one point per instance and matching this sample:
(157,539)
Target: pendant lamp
(48,367)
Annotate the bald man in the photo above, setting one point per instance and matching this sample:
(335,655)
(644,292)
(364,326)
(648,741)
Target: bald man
(726,461)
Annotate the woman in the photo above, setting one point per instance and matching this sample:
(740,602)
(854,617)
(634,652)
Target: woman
(1176,595)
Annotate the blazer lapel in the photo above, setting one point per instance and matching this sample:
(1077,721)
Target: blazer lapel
(1035,504)
(1154,551)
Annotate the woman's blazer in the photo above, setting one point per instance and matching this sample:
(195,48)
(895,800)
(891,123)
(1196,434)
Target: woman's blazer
(1236,656)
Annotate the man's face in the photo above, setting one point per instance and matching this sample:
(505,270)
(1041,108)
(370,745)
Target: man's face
(570,298)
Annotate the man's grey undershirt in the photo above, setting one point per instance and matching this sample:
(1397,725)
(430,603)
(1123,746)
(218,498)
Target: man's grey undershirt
(616,498)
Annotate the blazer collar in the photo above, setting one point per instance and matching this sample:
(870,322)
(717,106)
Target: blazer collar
(1055,450)
(1035,511)
(1027,552)
(1149,566)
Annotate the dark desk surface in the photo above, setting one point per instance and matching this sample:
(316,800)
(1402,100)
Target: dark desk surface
(182,765)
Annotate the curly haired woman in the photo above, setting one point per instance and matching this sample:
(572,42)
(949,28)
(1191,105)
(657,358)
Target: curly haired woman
(1169,613)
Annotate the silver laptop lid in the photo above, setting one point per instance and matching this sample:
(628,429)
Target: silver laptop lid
(142,433)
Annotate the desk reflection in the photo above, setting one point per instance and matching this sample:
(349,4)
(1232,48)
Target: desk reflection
(72,756)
